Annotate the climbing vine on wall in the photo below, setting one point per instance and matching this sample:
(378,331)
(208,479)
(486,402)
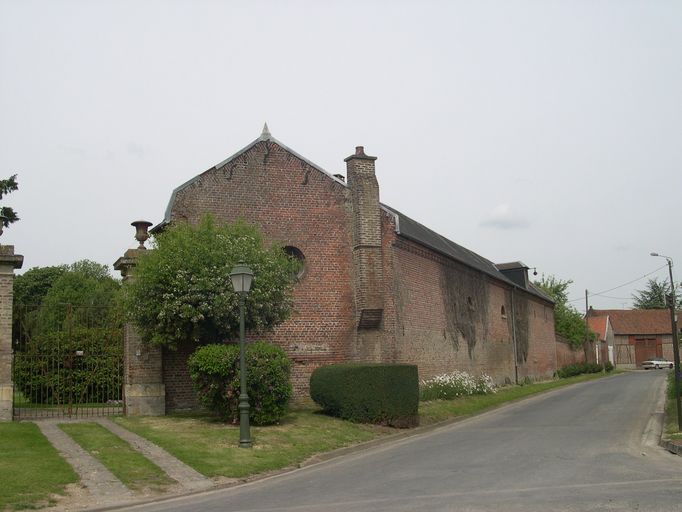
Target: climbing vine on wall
(466,306)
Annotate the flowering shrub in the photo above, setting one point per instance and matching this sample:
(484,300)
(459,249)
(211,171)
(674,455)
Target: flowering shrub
(182,289)
(455,384)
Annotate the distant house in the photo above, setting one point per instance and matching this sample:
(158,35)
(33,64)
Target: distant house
(638,334)
(604,346)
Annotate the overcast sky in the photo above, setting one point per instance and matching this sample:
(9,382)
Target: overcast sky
(543,131)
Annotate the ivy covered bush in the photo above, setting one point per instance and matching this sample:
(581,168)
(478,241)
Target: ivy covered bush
(455,384)
(214,370)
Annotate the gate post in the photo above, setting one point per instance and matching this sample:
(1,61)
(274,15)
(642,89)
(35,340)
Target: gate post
(8,262)
(144,393)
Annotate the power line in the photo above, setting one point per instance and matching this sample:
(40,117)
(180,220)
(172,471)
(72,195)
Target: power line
(610,297)
(620,286)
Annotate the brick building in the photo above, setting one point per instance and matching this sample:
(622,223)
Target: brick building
(604,345)
(638,334)
(376,285)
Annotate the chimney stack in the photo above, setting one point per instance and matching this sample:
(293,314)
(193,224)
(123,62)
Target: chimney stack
(367,259)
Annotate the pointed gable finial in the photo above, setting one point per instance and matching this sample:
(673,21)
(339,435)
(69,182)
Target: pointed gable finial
(265,135)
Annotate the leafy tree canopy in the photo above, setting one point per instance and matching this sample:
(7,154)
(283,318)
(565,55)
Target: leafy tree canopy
(31,287)
(52,299)
(568,322)
(75,283)
(6,186)
(182,288)
(654,296)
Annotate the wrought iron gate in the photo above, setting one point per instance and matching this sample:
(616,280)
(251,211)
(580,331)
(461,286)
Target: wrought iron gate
(68,361)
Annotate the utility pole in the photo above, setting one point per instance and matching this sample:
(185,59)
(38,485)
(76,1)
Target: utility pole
(587,329)
(676,345)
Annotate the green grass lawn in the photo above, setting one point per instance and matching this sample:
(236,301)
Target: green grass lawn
(30,468)
(211,447)
(671,427)
(129,466)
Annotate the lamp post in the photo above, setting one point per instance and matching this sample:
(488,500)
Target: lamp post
(241,277)
(676,349)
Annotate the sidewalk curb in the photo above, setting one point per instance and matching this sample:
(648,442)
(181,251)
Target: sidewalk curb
(671,447)
(663,442)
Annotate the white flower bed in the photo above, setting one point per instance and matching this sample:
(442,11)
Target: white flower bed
(456,384)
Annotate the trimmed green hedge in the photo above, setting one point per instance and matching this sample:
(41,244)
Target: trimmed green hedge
(215,372)
(572,370)
(368,393)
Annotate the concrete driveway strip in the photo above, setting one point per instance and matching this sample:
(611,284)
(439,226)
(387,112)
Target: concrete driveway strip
(187,477)
(578,448)
(104,488)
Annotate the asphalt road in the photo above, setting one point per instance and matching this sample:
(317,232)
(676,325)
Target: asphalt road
(585,447)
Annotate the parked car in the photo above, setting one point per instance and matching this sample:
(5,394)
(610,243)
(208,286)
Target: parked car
(656,362)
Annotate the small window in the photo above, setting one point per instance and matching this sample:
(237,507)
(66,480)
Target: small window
(296,254)
(503,312)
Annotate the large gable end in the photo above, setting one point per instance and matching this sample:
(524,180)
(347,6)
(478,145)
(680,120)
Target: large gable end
(265,137)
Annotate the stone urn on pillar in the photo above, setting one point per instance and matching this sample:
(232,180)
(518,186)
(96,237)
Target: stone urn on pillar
(141,231)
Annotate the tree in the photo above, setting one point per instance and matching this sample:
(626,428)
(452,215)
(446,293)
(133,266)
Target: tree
(182,288)
(84,294)
(654,296)
(31,287)
(7,186)
(568,322)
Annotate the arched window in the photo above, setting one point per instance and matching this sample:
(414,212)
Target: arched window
(296,254)
(503,312)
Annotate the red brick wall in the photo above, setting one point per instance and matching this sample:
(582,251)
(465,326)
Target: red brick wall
(541,361)
(565,354)
(294,204)
(179,392)
(440,330)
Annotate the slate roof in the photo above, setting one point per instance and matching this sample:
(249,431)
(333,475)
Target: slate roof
(405,226)
(413,230)
(511,265)
(636,321)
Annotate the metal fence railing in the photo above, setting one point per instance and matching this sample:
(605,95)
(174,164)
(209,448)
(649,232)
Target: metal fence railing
(68,361)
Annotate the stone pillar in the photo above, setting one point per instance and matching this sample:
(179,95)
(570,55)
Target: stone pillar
(8,262)
(144,393)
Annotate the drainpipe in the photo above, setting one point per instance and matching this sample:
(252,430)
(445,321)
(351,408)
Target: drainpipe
(513,312)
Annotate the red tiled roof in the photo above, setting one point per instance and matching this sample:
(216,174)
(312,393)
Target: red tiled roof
(598,324)
(634,321)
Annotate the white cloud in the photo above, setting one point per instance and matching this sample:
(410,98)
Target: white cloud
(503,217)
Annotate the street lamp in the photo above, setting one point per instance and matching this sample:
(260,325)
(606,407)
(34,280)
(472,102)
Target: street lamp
(241,277)
(676,350)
